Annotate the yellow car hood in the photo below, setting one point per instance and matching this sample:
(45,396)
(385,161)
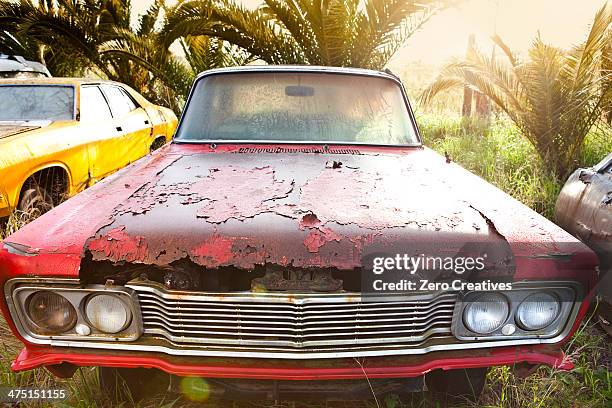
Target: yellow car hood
(11,130)
(21,141)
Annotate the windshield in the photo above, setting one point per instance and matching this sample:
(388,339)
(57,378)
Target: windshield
(36,102)
(297,107)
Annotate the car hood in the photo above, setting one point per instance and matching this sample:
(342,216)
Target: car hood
(11,130)
(244,206)
(7,130)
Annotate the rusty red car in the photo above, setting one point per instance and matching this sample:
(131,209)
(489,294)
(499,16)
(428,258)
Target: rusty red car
(246,254)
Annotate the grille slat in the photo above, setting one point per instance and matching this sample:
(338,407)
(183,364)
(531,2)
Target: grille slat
(291,320)
(244,330)
(275,322)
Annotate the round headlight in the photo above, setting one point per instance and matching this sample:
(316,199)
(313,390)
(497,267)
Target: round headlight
(107,313)
(486,313)
(537,311)
(51,313)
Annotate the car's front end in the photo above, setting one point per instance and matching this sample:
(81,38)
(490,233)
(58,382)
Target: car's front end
(273,267)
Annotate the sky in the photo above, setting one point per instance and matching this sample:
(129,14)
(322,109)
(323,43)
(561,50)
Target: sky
(561,23)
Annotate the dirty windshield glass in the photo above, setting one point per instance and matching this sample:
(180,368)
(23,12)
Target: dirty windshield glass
(297,107)
(36,102)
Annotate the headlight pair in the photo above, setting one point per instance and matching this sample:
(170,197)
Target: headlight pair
(490,311)
(95,312)
(518,313)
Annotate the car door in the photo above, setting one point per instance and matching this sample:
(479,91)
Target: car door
(132,121)
(97,123)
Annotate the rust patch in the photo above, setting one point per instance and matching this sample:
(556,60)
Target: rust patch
(359,243)
(319,237)
(369,200)
(309,221)
(118,245)
(150,195)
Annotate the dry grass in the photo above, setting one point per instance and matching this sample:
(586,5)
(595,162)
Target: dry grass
(10,224)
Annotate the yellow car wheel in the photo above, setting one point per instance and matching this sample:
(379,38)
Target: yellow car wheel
(157,143)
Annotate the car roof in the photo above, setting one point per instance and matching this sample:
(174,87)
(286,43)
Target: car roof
(301,68)
(15,63)
(54,81)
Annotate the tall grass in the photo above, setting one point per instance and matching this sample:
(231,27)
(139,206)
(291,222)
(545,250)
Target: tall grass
(588,385)
(10,224)
(498,153)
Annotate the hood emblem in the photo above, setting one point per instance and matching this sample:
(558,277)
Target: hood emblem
(295,280)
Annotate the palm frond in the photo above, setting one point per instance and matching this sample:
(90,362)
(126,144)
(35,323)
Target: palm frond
(554,97)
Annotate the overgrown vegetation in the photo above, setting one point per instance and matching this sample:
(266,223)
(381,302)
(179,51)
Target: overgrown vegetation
(500,154)
(351,33)
(11,224)
(554,97)
(96,37)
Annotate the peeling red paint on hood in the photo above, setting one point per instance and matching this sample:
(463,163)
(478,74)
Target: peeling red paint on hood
(215,250)
(220,207)
(239,193)
(319,237)
(117,244)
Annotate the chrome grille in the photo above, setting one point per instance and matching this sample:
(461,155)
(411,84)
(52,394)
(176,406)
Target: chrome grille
(307,323)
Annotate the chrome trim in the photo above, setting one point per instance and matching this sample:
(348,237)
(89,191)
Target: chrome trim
(291,322)
(243,352)
(297,68)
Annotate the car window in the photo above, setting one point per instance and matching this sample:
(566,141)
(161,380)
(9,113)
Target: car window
(93,105)
(133,105)
(36,102)
(297,107)
(121,104)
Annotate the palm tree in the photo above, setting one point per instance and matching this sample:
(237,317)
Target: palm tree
(606,69)
(84,37)
(149,52)
(320,32)
(15,38)
(554,97)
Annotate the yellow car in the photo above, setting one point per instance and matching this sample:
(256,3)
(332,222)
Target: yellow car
(61,135)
